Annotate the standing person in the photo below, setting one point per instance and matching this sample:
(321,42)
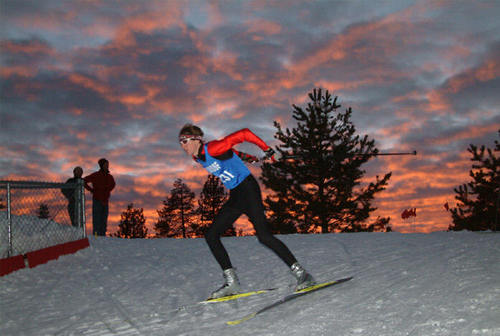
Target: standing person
(102,184)
(70,194)
(220,159)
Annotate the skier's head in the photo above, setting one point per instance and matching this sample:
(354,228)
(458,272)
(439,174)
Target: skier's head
(190,139)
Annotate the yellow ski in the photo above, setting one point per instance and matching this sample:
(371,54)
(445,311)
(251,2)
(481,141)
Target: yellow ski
(226,298)
(289,298)
(237,296)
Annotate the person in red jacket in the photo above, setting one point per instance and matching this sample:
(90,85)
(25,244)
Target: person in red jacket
(220,159)
(102,185)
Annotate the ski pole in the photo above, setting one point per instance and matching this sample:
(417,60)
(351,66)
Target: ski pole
(365,154)
(377,154)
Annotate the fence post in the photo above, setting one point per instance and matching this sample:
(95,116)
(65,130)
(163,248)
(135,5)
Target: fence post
(496,211)
(81,206)
(9,221)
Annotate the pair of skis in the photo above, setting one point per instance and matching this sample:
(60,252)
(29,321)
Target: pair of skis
(288,298)
(272,305)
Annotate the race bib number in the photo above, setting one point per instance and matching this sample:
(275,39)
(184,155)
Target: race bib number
(226,176)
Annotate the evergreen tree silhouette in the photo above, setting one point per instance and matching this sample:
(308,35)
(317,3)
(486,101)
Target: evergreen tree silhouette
(317,183)
(43,211)
(177,213)
(478,208)
(132,223)
(281,224)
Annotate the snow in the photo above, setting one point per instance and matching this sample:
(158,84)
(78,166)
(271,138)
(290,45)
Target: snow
(30,233)
(443,283)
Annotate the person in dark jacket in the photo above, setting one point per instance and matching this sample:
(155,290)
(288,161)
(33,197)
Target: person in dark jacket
(102,185)
(69,193)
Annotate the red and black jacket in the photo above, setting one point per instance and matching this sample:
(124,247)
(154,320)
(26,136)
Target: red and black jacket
(223,149)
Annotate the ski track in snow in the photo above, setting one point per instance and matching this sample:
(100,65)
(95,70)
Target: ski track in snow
(443,283)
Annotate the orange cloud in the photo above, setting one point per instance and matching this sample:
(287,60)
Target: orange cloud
(91,84)
(469,133)
(25,71)
(165,15)
(407,190)
(439,100)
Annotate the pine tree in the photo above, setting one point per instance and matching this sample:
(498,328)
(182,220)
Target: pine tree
(132,223)
(478,208)
(43,211)
(163,226)
(212,196)
(177,212)
(284,224)
(319,187)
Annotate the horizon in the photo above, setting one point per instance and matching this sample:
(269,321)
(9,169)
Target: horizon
(81,81)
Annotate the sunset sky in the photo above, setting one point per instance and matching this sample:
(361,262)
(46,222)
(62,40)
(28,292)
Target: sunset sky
(81,80)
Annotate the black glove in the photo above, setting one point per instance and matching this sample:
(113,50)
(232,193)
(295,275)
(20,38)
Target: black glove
(269,154)
(248,158)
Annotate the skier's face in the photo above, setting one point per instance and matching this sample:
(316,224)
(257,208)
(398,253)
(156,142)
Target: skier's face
(191,146)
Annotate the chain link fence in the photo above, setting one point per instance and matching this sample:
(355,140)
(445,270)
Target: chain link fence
(36,215)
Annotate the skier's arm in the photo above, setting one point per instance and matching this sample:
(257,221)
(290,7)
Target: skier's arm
(246,157)
(218,147)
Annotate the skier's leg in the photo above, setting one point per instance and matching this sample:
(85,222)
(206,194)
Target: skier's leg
(222,222)
(255,211)
(265,236)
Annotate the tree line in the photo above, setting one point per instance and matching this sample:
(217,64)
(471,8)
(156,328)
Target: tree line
(182,215)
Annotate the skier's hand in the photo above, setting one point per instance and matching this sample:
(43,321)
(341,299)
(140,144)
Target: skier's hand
(249,158)
(269,154)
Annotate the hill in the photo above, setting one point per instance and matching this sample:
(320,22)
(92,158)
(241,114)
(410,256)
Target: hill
(444,283)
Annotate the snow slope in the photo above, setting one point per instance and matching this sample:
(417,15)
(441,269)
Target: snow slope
(444,283)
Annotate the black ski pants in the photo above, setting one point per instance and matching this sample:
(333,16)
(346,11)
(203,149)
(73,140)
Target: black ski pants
(244,199)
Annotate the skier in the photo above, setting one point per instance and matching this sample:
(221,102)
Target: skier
(220,159)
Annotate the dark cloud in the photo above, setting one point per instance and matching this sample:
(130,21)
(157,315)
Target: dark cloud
(25,52)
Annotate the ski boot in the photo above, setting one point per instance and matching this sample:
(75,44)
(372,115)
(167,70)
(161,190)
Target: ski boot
(304,279)
(231,285)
